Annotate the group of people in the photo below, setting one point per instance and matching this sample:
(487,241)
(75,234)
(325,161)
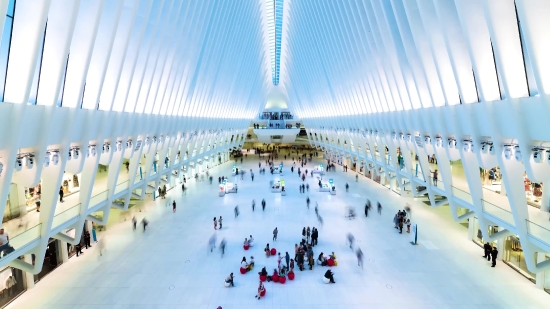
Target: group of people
(490,253)
(162,192)
(401,219)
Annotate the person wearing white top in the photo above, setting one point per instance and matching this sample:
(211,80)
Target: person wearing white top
(251,241)
(4,241)
(244,264)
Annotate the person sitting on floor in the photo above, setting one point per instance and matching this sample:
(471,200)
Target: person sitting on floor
(263,272)
(322,260)
(282,272)
(329,275)
(244,264)
(251,241)
(230,279)
(261,290)
(246,242)
(251,263)
(267,251)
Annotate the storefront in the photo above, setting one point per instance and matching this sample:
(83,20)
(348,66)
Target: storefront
(514,257)
(70,183)
(12,284)
(52,259)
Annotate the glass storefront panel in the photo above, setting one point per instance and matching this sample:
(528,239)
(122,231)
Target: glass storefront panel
(11,285)
(514,257)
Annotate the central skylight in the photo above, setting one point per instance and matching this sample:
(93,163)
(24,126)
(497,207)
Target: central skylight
(275,26)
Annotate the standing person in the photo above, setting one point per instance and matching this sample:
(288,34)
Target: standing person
(367,209)
(379,208)
(220,221)
(252,175)
(215,223)
(10,283)
(435,177)
(182,188)
(134,222)
(275,232)
(164,191)
(287,259)
(400,218)
(236,211)
(316,209)
(307,202)
(78,248)
(307,187)
(61,194)
(174,206)
(308,234)
(304,233)
(160,192)
(127,166)
(408,225)
(494,254)
(253,204)
(263,204)
(87,239)
(356,178)
(4,243)
(314,236)
(347,187)
(359,254)
(487,249)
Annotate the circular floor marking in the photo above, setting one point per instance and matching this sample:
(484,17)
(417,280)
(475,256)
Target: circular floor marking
(171,287)
(187,261)
(389,286)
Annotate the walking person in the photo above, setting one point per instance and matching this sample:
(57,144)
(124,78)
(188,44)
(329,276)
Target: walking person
(236,210)
(275,232)
(87,239)
(347,187)
(144,222)
(222,246)
(160,192)
(408,222)
(307,202)
(263,204)
(220,221)
(101,246)
(379,208)
(182,188)
(253,204)
(212,242)
(359,254)
(174,206)
(215,224)
(134,222)
(308,234)
(351,239)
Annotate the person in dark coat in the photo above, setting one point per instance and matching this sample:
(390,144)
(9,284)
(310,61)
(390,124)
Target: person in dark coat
(494,254)
(329,275)
(487,248)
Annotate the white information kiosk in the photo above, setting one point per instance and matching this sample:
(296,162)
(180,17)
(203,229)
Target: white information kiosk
(276,186)
(318,170)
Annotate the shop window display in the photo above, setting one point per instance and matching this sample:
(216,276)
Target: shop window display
(514,257)
(11,284)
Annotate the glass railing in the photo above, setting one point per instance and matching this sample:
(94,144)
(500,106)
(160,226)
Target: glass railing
(537,231)
(121,186)
(498,212)
(20,240)
(417,174)
(65,216)
(438,183)
(463,195)
(98,198)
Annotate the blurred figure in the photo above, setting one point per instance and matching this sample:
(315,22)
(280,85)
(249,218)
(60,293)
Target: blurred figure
(307,202)
(144,222)
(253,204)
(222,246)
(408,209)
(317,209)
(350,240)
(236,211)
(359,254)
(101,246)
(347,187)
(379,208)
(134,222)
(212,242)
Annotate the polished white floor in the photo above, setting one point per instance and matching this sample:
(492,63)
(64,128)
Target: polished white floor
(169,266)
